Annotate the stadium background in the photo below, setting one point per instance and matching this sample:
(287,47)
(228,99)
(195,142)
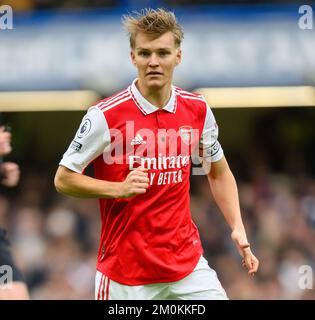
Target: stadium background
(66,54)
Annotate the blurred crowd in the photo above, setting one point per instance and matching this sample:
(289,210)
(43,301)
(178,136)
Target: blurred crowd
(77,4)
(55,238)
(279,215)
(59,4)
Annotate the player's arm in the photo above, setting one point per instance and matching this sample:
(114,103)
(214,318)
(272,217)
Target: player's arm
(74,184)
(224,189)
(225,193)
(91,140)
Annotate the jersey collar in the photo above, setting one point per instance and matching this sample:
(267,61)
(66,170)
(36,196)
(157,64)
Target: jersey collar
(145,106)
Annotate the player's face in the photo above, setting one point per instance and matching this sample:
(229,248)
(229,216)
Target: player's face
(155,59)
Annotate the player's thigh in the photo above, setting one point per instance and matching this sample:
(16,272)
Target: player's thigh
(107,289)
(201,284)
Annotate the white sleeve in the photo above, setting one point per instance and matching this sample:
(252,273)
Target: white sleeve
(91,139)
(210,148)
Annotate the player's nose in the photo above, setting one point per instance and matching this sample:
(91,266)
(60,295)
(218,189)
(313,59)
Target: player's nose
(153,62)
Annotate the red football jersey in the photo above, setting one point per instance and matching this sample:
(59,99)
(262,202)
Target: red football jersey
(149,238)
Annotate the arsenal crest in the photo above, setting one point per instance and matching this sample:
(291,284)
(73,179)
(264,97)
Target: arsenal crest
(186,133)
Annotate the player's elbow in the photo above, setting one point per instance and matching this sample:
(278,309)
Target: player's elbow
(59,182)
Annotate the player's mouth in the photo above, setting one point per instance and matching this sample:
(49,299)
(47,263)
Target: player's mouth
(154,73)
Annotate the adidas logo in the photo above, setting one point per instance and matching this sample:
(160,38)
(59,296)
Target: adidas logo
(137,140)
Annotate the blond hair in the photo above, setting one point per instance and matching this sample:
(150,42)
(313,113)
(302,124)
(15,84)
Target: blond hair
(154,23)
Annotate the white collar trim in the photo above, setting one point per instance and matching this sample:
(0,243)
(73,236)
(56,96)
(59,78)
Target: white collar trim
(145,106)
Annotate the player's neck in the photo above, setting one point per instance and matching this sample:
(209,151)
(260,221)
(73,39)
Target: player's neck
(158,97)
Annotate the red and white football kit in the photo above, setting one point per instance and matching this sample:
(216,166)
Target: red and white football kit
(149,238)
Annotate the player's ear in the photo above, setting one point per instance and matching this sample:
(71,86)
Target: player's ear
(178,56)
(133,57)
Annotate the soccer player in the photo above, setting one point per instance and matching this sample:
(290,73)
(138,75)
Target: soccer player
(15,288)
(140,142)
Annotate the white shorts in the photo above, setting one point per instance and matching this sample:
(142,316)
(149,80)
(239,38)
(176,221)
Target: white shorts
(201,284)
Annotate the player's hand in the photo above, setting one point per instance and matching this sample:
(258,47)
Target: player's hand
(10,174)
(135,183)
(5,142)
(249,261)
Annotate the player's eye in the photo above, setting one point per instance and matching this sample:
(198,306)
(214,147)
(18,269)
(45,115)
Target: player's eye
(144,53)
(163,53)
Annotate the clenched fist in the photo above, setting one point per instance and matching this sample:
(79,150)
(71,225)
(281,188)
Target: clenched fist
(135,183)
